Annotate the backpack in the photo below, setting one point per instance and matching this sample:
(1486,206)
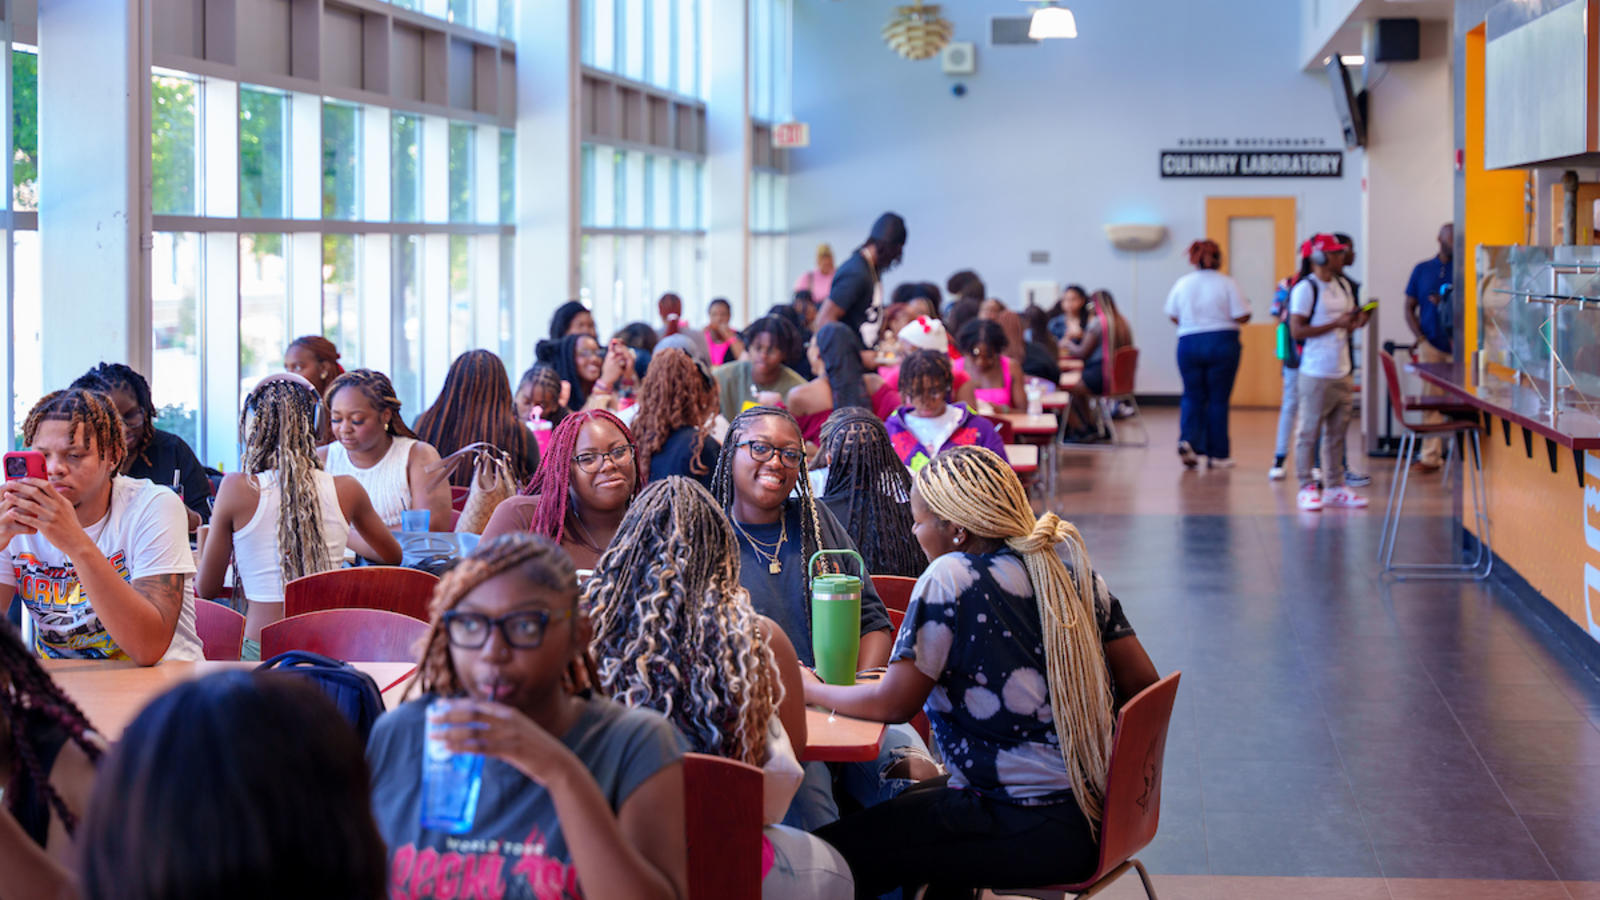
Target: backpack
(350,689)
(1289,349)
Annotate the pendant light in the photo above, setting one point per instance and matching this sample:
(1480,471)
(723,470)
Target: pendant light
(1052,21)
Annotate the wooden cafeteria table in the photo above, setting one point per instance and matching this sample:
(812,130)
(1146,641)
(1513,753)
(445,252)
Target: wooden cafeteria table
(112,692)
(1518,404)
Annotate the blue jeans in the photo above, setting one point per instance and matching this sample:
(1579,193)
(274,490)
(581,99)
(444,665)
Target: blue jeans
(1208,362)
(1286,411)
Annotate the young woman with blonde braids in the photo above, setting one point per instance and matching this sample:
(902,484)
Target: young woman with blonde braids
(281,514)
(1019,660)
(675,632)
(581,796)
(373,445)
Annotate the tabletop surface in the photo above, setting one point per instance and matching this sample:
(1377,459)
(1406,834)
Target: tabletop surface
(1519,404)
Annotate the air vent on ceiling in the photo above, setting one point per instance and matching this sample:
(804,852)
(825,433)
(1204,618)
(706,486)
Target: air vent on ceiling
(1039,257)
(1009,31)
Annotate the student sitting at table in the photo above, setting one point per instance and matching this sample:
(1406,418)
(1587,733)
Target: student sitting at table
(928,424)
(475,404)
(581,795)
(836,350)
(591,372)
(676,399)
(674,632)
(234,785)
(995,380)
(769,341)
(48,753)
(374,446)
(921,333)
(100,561)
(541,387)
(1019,660)
(281,514)
(583,488)
(153,454)
(868,490)
(316,359)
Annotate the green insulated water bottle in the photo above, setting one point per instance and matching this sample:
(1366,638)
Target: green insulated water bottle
(836,620)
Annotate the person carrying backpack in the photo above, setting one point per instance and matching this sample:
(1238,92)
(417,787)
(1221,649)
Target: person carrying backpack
(1322,313)
(1289,354)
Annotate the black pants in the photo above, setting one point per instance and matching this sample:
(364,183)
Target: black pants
(946,838)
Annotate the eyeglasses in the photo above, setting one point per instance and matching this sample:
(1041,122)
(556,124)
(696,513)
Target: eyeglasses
(592,460)
(761,451)
(591,354)
(523,629)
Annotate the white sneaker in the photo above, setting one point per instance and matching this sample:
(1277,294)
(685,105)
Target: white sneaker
(1343,497)
(1275,473)
(1310,498)
(1219,463)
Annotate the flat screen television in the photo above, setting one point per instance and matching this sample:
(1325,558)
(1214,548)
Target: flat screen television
(1351,106)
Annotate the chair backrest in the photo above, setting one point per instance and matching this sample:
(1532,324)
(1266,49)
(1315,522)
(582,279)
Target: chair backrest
(894,590)
(458,497)
(1132,806)
(722,812)
(896,616)
(1124,365)
(361,635)
(221,630)
(1391,379)
(405,591)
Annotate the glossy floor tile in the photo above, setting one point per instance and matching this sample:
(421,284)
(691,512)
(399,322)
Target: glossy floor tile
(1335,735)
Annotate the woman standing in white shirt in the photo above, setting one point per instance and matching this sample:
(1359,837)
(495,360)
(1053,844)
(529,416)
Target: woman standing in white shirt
(1208,309)
(282,515)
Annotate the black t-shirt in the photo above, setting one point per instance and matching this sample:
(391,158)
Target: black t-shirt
(677,454)
(854,284)
(168,461)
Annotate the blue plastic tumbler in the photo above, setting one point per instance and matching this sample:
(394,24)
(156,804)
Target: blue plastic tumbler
(450,781)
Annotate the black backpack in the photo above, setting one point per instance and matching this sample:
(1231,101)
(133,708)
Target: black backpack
(350,689)
(1293,348)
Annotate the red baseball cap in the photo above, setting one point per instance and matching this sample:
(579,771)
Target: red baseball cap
(1327,243)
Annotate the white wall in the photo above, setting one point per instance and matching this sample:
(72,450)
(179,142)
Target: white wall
(1051,142)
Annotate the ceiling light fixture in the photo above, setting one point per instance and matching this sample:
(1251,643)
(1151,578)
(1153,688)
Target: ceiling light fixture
(1052,21)
(917,31)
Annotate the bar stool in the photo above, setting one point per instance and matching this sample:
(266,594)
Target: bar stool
(1482,563)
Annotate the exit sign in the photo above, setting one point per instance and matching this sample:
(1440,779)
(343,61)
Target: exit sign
(791,134)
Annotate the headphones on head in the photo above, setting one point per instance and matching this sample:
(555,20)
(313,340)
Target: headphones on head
(1319,258)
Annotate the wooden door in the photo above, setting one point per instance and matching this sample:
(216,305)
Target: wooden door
(1259,231)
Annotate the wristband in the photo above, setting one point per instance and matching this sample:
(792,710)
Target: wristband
(600,387)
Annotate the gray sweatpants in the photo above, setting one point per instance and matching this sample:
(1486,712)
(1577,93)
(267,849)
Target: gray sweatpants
(1325,411)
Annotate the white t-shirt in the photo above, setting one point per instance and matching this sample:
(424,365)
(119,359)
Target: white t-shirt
(1206,300)
(145,532)
(1326,355)
(932,432)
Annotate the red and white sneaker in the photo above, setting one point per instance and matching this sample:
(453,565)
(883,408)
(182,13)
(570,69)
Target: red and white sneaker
(1344,498)
(1311,498)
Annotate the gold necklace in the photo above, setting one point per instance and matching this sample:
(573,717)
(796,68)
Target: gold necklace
(759,547)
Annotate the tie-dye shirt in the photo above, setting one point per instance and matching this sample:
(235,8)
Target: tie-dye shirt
(973,627)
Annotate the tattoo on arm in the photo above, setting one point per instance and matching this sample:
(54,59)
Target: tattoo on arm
(164,592)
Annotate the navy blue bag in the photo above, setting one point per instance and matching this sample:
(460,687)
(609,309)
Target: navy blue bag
(350,689)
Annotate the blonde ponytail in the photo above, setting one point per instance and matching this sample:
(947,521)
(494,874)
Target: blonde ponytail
(975,489)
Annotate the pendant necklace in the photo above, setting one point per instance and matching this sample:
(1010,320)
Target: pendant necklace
(760,547)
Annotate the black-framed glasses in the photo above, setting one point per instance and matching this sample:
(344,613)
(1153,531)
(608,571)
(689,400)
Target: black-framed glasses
(592,460)
(591,354)
(523,629)
(761,451)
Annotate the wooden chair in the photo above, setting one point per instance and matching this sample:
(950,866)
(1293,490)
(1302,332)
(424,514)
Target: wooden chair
(221,630)
(405,591)
(722,812)
(894,590)
(1118,387)
(1133,794)
(363,635)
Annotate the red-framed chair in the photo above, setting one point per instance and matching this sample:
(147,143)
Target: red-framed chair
(405,591)
(1413,406)
(894,590)
(1132,807)
(722,815)
(362,635)
(221,630)
(919,722)
(1118,388)
(458,497)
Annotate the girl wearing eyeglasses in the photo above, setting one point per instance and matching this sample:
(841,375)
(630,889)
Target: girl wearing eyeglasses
(581,796)
(582,490)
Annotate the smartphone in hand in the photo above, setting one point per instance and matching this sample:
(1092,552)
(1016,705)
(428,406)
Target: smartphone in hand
(20,464)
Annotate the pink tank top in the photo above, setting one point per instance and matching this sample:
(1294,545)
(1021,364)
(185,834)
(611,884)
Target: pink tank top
(1000,396)
(718,351)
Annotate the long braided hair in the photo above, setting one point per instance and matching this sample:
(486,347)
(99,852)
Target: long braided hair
(553,482)
(540,560)
(27,695)
(676,393)
(840,350)
(864,470)
(378,390)
(475,404)
(90,412)
(974,488)
(723,488)
(674,630)
(277,431)
(108,377)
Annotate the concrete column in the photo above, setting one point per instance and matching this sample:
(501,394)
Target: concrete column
(547,169)
(94,79)
(727,156)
